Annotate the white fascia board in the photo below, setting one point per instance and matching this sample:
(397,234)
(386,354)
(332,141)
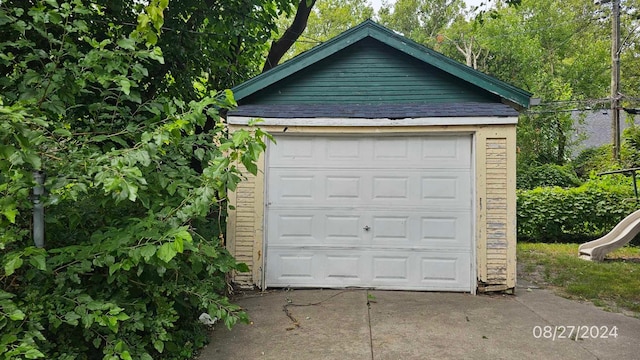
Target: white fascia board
(430,121)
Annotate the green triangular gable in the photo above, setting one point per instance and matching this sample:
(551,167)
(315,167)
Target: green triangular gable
(370,64)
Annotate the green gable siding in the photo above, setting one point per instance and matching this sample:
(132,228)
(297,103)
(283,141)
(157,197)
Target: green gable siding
(369,72)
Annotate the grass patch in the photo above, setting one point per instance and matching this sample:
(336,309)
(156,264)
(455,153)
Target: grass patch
(613,284)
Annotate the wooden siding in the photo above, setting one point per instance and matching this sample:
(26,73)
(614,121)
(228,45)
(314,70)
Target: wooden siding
(370,72)
(245,226)
(496,204)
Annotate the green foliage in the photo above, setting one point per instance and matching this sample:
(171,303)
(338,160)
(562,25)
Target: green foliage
(546,175)
(554,214)
(327,19)
(630,151)
(551,214)
(217,43)
(420,20)
(136,183)
(597,160)
(553,49)
(593,160)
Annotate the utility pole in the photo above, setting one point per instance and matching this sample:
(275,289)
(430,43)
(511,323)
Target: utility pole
(38,209)
(615,79)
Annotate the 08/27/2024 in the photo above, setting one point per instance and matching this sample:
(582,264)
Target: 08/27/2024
(575,332)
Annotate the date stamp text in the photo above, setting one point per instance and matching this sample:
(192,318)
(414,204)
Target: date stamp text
(574,332)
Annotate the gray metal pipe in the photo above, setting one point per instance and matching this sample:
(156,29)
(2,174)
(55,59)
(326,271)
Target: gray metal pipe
(38,209)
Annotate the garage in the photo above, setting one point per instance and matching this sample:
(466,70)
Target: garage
(393,167)
(353,211)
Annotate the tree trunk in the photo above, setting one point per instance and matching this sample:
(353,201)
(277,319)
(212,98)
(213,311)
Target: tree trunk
(280,47)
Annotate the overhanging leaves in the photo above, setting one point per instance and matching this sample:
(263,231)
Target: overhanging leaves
(136,183)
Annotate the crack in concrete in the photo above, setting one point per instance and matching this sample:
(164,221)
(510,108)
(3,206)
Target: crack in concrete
(369,323)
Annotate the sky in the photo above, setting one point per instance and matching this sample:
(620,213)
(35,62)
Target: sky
(377,3)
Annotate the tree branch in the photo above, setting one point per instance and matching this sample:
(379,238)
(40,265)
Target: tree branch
(280,47)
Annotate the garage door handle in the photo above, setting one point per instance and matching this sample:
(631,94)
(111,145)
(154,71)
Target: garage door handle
(366,228)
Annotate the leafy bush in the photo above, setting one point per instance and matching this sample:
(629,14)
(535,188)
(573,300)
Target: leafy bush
(597,160)
(554,214)
(134,184)
(593,160)
(630,151)
(546,175)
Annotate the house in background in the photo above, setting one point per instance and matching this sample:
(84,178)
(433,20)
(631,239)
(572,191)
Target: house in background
(593,129)
(393,168)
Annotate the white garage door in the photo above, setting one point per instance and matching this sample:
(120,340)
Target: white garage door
(383,212)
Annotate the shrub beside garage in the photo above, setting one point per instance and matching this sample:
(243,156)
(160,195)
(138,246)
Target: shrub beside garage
(547,175)
(563,203)
(575,214)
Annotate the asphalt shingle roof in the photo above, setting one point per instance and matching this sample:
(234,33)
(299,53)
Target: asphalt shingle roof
(593,128)
(377,111)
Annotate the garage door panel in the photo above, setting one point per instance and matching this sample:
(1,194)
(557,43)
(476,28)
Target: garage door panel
(393,149)
(302,228)
(342,268)
(391,229)
(445,230)
(298,268)
(294,267)
(386,212)
(446,152)
(381,269)
(362,187)
(292,150)
(391,152)
(428,270)
(310,151)
(408,229)
(296,226)
(439,268)
(296,187)
(446,270)
(420,229)
(315,227)
(344,187)
(339,150)
(293,187)
(343,227)
(446,189)
(387,188)
(440,187)
(389,268)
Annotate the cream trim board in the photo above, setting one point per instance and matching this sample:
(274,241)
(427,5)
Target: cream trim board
(232,217)
(511,208)
(259,204)
(481,196)
(376,130)
(342,122)
(474,213)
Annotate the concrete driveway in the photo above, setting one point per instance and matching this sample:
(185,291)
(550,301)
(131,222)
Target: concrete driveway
(370,324)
